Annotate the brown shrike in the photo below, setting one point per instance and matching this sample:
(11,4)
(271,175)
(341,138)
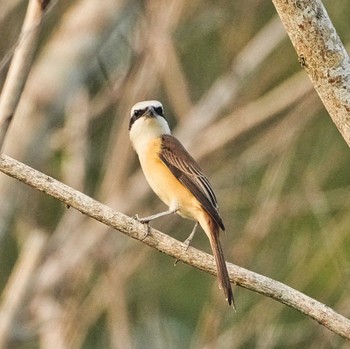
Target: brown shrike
(177,179)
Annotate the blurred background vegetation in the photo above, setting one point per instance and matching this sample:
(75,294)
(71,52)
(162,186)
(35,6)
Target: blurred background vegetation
(236,96)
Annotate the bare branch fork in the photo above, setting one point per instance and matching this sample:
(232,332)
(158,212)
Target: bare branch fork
(168,245)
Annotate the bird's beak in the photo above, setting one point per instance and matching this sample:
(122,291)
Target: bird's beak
(150,113)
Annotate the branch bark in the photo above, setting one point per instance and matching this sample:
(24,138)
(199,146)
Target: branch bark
(168,245)
(322,54)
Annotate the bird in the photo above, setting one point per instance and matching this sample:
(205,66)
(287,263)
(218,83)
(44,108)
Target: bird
(176,178)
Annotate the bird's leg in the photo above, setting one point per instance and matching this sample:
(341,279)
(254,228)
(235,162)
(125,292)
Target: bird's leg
(146,220)
(188,241)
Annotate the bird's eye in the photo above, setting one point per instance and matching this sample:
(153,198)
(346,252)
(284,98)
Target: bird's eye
(159,111)
(138,113)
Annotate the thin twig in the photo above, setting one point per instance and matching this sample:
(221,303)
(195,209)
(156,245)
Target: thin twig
(166,244)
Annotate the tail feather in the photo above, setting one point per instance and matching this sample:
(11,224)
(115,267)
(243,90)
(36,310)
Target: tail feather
(218,253)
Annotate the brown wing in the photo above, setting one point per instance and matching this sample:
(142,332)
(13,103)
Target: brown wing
(186,170)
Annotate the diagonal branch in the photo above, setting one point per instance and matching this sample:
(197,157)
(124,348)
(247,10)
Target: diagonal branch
(168,245)
(322,54)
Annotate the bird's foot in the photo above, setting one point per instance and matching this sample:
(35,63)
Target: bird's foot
(187,244)
(145,221)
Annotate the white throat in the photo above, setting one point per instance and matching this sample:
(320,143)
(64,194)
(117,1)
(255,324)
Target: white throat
(145,130)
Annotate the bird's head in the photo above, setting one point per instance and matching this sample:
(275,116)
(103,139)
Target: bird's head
(147,122)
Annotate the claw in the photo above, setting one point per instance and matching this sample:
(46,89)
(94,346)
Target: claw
(145,222)
(147,231)
(187,243)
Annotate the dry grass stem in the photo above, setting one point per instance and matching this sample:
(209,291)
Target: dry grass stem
(20,65)
(19,284)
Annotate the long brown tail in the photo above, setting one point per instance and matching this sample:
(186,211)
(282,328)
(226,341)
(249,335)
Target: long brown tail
(220,261)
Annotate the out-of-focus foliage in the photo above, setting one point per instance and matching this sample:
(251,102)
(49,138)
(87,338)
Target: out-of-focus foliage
(235,94)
